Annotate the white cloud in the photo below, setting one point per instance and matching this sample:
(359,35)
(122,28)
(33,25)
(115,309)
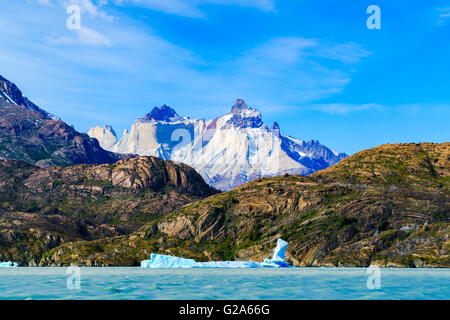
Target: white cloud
(86,6)
(348,52)
(412,109)
(343,108)
(125,65)
(444,14)
(84,36)
(192,8)
(176,7)
(265,5)
(297,68)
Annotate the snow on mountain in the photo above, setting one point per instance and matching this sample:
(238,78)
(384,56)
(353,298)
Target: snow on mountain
(227,151)
(107,136)
(163,114)
(10,93)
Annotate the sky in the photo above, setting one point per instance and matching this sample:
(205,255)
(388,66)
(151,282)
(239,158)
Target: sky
(313,66)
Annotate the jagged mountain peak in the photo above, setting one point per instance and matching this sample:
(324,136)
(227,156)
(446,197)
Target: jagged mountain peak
(227,151)
(275,126)
(109,128)
(239,105)
(30,134)
(107,134)
(10,93)
(163,113)
(244,116)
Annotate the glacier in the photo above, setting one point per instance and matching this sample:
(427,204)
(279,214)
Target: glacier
(160,261)
(8,264)
(227,151)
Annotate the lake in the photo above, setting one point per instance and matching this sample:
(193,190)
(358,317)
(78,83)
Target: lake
(291,283)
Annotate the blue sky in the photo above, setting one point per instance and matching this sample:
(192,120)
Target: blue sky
(311,65)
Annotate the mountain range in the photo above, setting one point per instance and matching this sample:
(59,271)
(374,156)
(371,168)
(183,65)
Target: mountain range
(65,200)
(31,134)
(227,151)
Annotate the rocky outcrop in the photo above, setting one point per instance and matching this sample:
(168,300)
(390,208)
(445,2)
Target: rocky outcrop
(42,208)
(387,206)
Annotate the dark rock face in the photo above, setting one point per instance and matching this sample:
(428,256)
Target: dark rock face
(31,134)
(238,106)
(37,139)
(275,126)
(163,113)
(320,157)
(10,93)
(244,116)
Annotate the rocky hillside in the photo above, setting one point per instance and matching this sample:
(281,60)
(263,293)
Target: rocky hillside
(387,206)
(31,134)
(41,208)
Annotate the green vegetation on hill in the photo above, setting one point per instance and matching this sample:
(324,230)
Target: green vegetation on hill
(387,206)
(42,208)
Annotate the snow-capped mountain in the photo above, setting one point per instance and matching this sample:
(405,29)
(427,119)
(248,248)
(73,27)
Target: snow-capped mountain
(11,94)
(227,151)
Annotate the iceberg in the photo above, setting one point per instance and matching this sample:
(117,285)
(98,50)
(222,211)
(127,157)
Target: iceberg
(8,264)
(277,260)
(159,261)
(163,261)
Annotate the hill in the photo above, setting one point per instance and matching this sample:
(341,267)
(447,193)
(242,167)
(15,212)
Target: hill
(41,208)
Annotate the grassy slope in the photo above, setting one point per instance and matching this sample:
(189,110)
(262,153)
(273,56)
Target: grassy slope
(387,206)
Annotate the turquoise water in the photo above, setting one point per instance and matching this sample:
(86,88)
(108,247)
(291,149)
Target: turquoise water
(296,283)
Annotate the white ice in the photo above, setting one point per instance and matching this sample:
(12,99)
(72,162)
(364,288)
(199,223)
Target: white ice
(158,261)
(8,264)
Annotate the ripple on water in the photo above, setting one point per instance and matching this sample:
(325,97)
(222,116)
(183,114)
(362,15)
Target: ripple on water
(298,283)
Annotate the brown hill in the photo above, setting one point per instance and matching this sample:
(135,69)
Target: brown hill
(41,208)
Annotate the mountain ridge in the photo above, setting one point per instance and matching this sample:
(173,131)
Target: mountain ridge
(227,151)
(10,93)
(31,134)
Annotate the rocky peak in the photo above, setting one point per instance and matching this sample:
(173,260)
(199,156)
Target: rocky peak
(244,116)
(10,93)
(109,128)
(275,126)
(163,113)
(106,136)
(238,106)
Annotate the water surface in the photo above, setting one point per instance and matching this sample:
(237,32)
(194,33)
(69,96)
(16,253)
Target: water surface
(295,283)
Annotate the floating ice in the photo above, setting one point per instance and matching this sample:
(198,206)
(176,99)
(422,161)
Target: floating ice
(8,264)
(277,260)
(164,261)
